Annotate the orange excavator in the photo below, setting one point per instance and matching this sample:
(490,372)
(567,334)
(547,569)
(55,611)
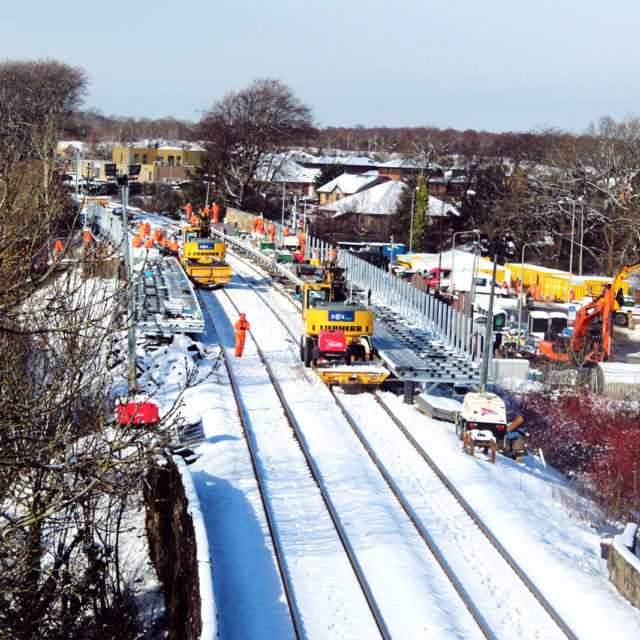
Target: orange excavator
(591,337)
(590,341)
(620,317)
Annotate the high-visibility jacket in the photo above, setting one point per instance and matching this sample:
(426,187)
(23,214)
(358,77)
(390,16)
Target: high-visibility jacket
(242,325)
(149,243)
(137,241)
(286,232)
(214,213)
(58,246)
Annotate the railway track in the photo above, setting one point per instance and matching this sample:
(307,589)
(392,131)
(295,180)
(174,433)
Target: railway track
(275,456)
(434,505)
(528,614)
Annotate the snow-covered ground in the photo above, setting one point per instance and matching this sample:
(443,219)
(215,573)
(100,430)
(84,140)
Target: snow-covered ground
(546,527)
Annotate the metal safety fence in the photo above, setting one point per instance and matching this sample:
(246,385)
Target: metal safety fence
(419,308)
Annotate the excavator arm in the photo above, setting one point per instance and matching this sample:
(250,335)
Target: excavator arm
(616,286)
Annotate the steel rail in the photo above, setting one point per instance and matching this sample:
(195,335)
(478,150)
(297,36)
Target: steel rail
(422,532)
(315,473)
(546,605)
(296,617)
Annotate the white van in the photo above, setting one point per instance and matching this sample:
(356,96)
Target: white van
(463,279)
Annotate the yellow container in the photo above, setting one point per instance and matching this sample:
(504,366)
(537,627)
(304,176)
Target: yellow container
(591,286)
(531,273)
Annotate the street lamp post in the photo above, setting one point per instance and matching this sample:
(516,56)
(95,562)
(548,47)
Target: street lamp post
(453,257)
(284,186)
(208,178)
(528,244)
(441,222)
(581,230)
(488,332)
(573,224)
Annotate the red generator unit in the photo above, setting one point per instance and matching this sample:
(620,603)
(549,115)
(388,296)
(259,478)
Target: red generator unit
(140,413)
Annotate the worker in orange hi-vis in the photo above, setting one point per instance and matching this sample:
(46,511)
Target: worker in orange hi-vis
(271,230)
(193,220)
(215,211)
(87,236)
(149,243)
(303,239)
(241,326)
(173,244)
(137,241)
(58,246)
(164,242)
(188,210)
(286,232)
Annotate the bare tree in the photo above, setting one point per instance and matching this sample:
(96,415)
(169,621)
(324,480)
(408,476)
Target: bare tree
(243,128)
(68,473)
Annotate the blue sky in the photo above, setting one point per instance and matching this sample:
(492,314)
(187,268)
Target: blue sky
(495,65)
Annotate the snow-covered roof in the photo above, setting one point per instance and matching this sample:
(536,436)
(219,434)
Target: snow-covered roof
(382,200)
(76,144)
(163,144)
(439,208)
(275,168)
(378,200)
(349,183)
(403,163)
(358,161)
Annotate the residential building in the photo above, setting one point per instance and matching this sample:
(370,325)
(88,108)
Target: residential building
(346,185)
(158,163)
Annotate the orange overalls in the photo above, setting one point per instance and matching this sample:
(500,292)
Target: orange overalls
(303,240)
(59,246)
(271,228)
(241,326)
(214,213)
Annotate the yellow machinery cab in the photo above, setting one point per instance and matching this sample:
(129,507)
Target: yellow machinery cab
(203,258)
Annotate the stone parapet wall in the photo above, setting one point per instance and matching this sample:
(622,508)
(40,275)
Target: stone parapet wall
(175,530)
(624,565)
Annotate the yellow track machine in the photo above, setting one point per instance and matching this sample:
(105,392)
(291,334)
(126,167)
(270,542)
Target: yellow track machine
(204,259)
(337,333)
